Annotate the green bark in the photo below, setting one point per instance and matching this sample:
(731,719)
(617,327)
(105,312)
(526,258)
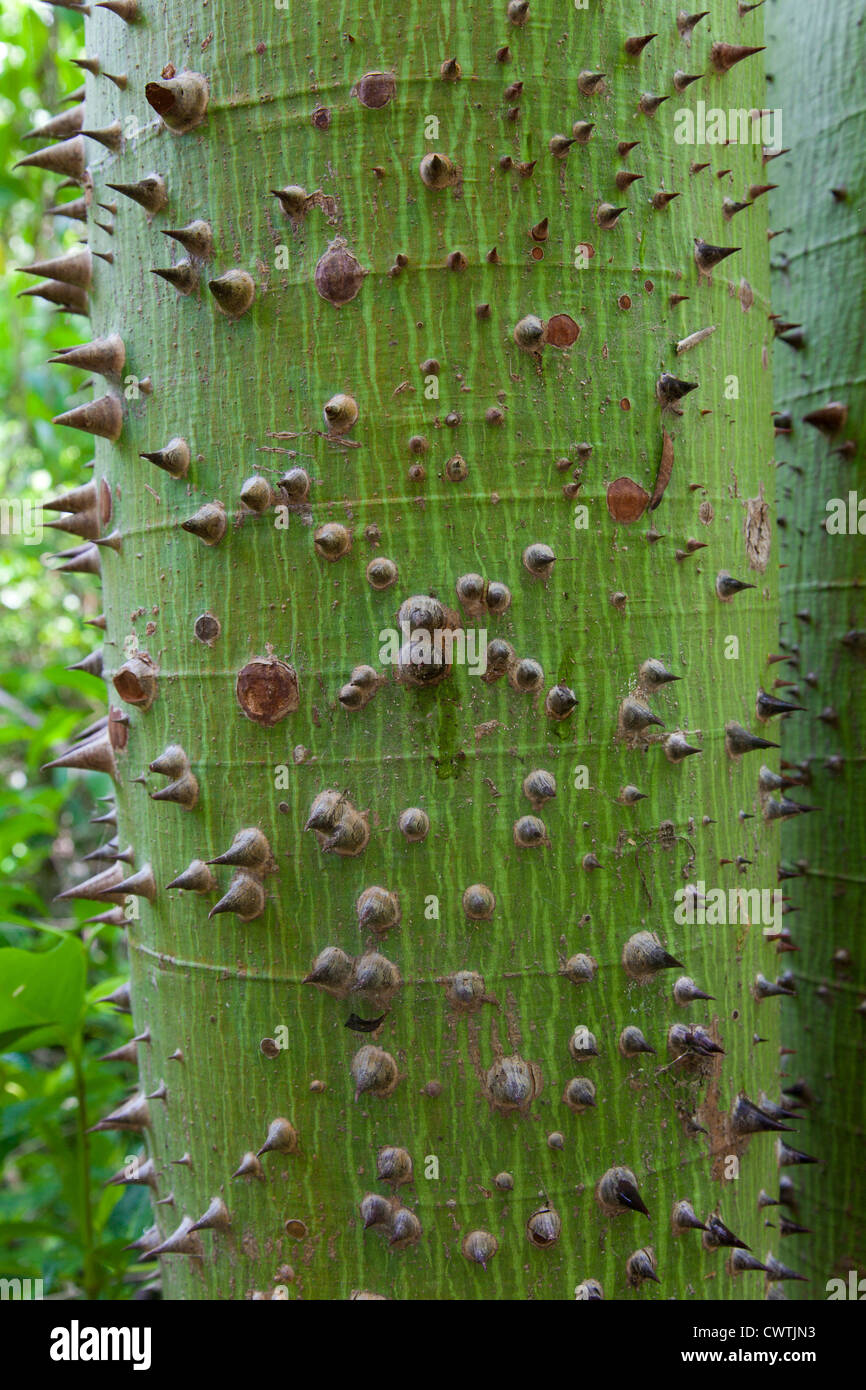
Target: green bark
(243,392)
(819,283)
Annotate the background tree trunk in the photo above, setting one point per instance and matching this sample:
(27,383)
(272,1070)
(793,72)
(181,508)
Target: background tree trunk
(291,102)
(819,284)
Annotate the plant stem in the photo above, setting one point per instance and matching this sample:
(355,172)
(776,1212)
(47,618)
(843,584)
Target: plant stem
(85,1212)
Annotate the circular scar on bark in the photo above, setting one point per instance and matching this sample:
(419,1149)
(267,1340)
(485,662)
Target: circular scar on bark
(626,500)
(207,628)
(561,331)
(267,690)
(375,89)
(757,532)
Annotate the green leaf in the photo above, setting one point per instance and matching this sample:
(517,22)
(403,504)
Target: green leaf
(11,1036)
(42,989)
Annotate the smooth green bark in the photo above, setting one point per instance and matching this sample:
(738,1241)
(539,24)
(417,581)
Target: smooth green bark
(242,393)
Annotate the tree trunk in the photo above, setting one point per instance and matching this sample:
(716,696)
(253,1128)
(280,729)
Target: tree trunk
(457,222)
(819,284)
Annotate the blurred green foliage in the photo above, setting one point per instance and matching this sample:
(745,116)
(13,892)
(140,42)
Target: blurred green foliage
(59,1221)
